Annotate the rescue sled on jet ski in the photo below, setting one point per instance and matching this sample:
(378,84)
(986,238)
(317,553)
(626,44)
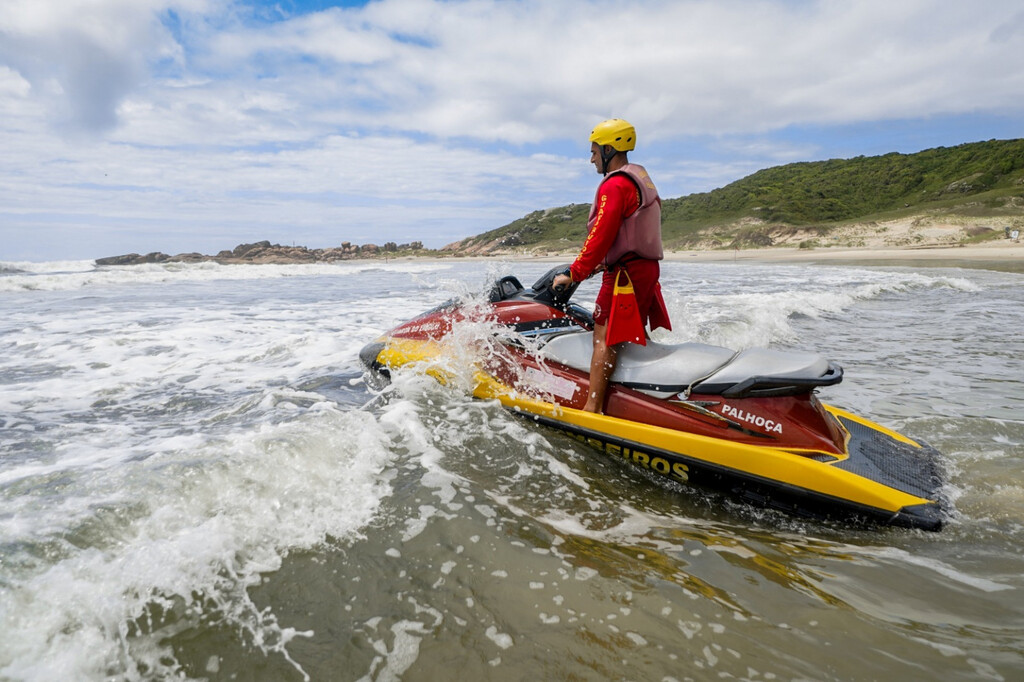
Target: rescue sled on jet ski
(747,422)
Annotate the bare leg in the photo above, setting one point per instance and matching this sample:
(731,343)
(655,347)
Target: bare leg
(602,364)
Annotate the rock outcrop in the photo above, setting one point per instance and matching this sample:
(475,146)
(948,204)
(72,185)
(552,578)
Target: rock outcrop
(266,253)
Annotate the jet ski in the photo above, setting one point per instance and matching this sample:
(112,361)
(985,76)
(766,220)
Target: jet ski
(748,423)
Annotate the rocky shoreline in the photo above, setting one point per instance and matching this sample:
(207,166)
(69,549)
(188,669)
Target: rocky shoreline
(273,254)
(909,238)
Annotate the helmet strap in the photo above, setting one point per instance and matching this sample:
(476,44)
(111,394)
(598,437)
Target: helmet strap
(608,153)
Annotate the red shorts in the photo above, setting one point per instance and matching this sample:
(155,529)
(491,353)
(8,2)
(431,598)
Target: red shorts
(644,274)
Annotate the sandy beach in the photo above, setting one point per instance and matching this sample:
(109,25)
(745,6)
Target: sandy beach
(1003,251)
(1004,255)
(909,241)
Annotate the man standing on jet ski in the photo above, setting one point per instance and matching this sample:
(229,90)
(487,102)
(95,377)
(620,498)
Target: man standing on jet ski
(624,234)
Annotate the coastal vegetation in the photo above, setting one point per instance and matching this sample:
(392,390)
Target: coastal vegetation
(804,203)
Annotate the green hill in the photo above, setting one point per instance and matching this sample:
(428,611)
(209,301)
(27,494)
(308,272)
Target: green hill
(980,180)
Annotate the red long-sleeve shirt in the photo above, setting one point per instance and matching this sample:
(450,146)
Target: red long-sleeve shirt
(617,198)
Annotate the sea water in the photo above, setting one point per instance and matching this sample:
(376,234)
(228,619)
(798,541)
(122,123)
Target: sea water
(197,483)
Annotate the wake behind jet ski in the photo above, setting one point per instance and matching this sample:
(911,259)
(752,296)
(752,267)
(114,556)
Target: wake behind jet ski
(746,422)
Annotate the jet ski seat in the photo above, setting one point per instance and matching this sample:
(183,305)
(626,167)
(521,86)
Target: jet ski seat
(660,370)
(665,370)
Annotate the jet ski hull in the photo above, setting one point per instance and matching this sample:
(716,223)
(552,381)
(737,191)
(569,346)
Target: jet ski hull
(770,444)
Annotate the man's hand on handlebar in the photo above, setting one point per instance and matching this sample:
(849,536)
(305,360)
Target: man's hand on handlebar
(560,282)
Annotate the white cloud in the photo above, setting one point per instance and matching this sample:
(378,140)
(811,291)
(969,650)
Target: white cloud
(183,112)
(494,70)
(538,69)
(84,56)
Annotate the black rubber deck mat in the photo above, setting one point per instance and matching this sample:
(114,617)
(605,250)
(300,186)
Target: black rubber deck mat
(884,459)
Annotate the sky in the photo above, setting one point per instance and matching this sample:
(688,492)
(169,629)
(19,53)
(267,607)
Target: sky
(132,126)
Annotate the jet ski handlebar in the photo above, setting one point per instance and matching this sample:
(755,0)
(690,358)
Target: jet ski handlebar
(545,291)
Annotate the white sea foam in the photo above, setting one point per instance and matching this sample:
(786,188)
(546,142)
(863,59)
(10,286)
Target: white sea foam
(46,267)
(193,524)
(72,275)
(756,306)
(161,450)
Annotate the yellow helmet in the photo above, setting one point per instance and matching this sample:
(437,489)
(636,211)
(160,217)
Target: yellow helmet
(621,135)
